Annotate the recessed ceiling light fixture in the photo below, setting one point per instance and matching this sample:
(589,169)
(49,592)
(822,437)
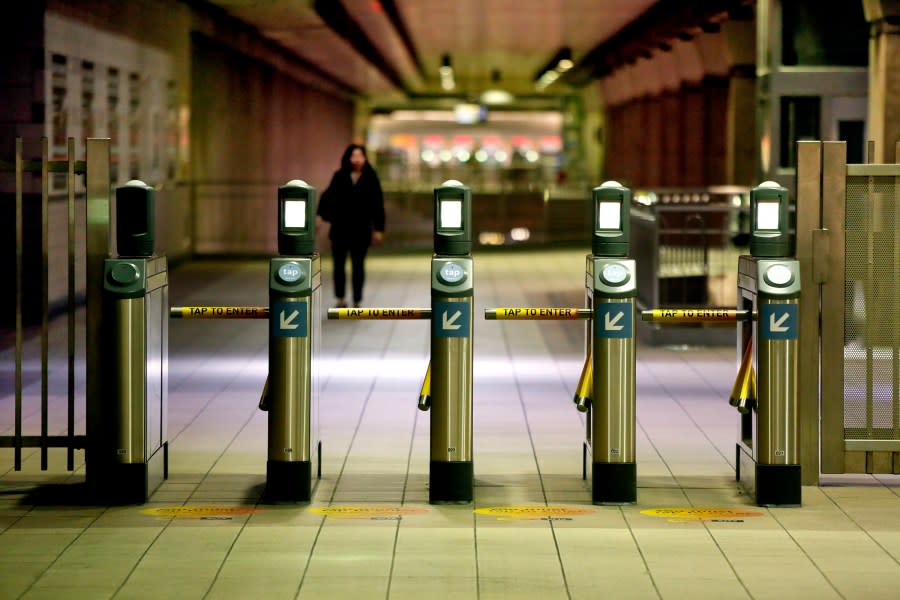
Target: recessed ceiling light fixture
(559,64)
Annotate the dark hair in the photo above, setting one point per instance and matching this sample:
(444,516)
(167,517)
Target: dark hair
(345,159)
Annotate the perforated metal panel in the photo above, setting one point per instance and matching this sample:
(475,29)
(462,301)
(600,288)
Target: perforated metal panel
(872,309)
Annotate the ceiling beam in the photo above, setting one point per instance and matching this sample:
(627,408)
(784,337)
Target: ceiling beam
(652,32)
(339,20)
(393,14)
(218,24)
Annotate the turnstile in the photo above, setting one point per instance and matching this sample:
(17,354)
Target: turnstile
(447,389)
(291,396)
(767,451)
(291,391)
(129,460)
(611,425)
(606,388)
(451,472)
(765,392)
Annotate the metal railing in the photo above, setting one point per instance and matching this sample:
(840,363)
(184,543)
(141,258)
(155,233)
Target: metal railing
(848,240)
(96,170)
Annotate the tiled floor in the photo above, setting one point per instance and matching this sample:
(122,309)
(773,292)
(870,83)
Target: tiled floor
(844,542)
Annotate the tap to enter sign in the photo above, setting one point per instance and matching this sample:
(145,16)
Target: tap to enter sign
(696,315)
(537,314)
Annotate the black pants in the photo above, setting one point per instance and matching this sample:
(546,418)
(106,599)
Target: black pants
(339,250)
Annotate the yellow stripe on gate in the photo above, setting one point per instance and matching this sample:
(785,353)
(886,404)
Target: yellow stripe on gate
(537,314)
(219,312)
(379,313)
(695,315)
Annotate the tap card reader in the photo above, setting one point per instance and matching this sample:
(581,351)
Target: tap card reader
(611,206)
(296,218)
(452,219)
(770,227)
(134,219)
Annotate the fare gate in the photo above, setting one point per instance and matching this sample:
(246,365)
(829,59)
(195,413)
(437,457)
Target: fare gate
(766,390)
(291,392)
(606,388)
(291,396)
(447,388)
(131,450)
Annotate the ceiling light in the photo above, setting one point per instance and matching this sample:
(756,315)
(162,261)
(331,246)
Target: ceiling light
(559,64)
(495,95)
(446,73)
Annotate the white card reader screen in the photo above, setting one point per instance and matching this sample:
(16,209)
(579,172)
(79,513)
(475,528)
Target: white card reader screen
(295,214)
(609,215)
(451,214)
(767,215)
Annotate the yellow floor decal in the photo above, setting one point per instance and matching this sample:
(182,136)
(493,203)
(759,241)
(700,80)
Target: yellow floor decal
(692,515)
(200,512)
(367,511)
(533,512)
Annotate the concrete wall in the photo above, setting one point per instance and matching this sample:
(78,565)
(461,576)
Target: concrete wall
(252,129)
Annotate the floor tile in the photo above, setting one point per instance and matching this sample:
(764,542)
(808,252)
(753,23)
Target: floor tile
(844,542)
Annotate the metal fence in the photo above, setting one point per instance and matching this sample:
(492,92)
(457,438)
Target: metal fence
(848,237)
(33,260)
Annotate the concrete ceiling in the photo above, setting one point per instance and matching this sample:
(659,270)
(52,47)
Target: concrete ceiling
(391,50)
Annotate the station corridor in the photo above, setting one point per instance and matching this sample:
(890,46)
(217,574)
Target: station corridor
(369,531)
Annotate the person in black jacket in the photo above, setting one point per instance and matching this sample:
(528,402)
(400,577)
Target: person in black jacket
(354,205)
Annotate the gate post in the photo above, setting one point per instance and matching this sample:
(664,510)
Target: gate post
(812,247)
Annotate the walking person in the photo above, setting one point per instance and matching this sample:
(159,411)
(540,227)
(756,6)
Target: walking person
(354,206)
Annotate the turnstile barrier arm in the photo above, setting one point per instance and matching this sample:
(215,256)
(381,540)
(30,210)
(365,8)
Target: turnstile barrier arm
(585,387)
(219,312)
(425,392)
(264,397)
(743,393)
(368,314)
(537,314)
(582,396)
(674,316)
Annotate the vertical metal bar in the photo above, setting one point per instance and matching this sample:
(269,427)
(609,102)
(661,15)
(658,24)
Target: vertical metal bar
(45,295)
(871,323)
(70,201)
(895,405)
(809,219)
(19,292)
(834,191)
(98,236)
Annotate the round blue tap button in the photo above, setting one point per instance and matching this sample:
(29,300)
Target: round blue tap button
(290,273)
(451,274)
(614,274)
